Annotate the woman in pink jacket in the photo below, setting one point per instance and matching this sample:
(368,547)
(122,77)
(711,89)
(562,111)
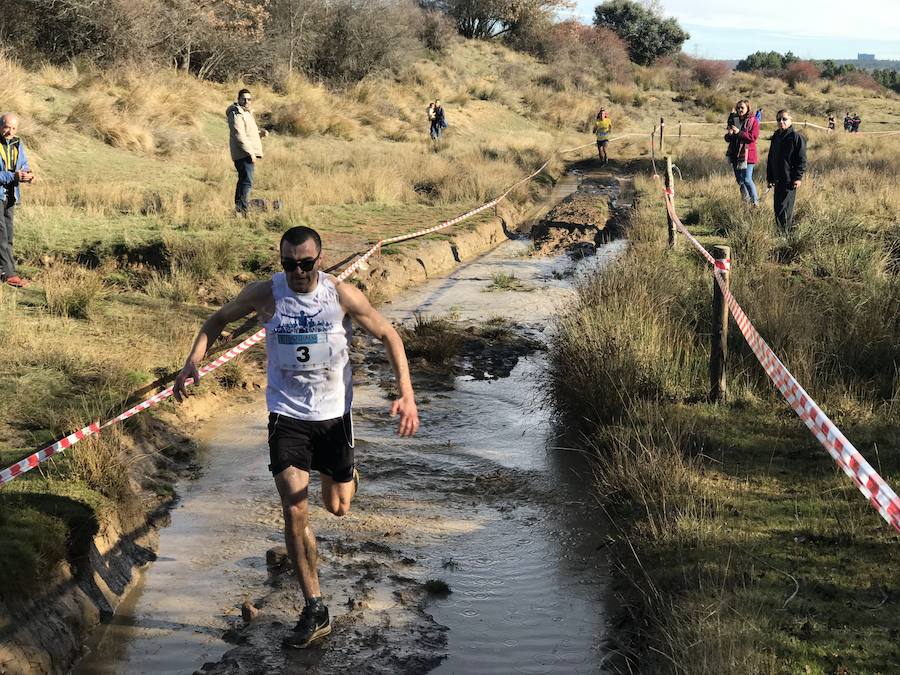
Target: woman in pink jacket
(743,130)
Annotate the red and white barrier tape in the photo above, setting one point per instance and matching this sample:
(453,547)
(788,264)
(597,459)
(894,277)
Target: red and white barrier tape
(33,460)
(36,458)
(848,458)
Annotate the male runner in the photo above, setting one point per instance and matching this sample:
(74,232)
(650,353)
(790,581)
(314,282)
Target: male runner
(306,314)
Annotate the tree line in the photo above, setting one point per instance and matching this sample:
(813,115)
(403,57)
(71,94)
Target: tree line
(793,69)
(333,40)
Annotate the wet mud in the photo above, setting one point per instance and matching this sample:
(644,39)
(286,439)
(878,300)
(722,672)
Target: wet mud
(589,217)
(472,548)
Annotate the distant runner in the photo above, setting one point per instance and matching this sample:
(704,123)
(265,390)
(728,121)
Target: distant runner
(307,316)
(602,127)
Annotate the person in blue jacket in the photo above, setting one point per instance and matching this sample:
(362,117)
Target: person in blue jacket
(14,170)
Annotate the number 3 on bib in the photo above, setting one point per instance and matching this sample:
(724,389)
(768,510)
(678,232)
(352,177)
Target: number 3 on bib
(303,351)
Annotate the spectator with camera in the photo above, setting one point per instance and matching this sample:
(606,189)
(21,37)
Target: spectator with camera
(14,170)
(741,136)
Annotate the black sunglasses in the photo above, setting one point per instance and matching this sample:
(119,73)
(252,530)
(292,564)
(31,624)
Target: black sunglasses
(306,265)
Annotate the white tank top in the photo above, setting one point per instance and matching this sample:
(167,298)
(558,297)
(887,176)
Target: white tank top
(307,341)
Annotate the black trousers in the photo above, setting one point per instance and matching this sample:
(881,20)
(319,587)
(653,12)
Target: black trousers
(7,263)
(785,196)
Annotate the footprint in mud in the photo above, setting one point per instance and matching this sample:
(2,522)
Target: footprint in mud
(380,624)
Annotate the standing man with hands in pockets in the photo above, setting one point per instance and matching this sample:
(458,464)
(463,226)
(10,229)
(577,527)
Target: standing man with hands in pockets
(785,168)
(307,316)
(244,140)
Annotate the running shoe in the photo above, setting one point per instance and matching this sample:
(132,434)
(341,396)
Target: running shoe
(15,281)
(314,623)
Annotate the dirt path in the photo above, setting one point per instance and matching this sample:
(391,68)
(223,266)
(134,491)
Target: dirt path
(471,548)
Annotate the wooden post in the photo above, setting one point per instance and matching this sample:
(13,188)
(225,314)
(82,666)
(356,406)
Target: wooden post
(718,355)
(662,129)
(679,130)
(670,189)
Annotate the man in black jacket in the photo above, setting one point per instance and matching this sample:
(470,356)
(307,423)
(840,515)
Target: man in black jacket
(785,167)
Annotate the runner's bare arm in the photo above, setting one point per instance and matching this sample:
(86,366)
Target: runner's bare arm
(253,298)
(360,309)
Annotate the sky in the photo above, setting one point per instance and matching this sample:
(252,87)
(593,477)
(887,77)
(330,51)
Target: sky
(812,29)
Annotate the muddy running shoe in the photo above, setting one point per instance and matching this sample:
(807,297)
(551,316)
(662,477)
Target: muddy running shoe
(314,623)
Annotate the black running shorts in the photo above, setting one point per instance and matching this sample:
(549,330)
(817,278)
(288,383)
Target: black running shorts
(325,446)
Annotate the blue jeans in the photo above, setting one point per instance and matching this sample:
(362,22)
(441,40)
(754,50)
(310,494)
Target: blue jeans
(744,178)
(245,170)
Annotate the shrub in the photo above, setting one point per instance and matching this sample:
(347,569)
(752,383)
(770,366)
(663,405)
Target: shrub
(177,286)
(801,71)
(437,31)
(713,100)
(73,291)
(860,79)
(709,73)
(434,338)
(622,94)
(583,46)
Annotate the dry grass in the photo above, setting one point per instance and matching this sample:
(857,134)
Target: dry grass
(73,292)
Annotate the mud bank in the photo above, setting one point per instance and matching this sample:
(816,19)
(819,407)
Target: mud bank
(46,634)
(589,217)
(415,262)
(43,632)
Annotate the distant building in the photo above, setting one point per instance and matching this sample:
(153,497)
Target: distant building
(865,57)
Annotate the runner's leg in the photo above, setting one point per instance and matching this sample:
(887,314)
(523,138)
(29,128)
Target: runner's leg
(293,488)
(337,496)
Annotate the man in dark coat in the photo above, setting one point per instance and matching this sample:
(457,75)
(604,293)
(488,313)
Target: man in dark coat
(785,167)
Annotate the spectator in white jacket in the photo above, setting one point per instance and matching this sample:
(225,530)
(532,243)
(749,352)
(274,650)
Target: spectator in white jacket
(246,147)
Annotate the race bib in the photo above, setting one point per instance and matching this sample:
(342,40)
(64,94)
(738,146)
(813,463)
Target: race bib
(303,351)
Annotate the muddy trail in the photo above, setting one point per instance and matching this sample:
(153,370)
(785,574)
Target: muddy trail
(474,547)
